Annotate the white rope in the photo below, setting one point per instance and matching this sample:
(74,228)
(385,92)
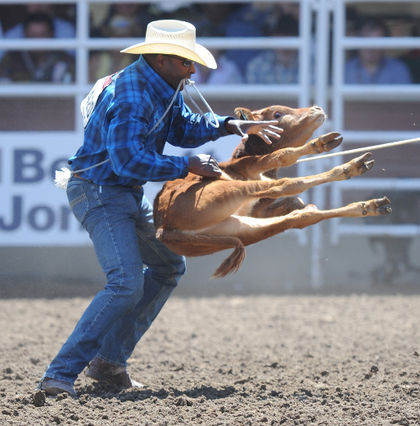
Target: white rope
(356,150)
(178,89)
(215,122)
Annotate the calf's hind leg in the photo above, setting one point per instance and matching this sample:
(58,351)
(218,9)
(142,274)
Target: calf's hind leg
(239,231)
(267,207)
(253,230)
(293,186)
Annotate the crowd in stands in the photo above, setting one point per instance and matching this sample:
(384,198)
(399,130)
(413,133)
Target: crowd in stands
(38,21)
(235,66)
(374,66)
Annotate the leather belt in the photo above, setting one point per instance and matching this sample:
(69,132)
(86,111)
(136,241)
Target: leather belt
(77,176)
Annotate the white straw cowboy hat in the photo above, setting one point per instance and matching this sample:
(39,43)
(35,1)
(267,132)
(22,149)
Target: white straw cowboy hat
(173,37)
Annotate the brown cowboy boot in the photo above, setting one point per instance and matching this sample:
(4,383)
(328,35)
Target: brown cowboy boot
(111,374)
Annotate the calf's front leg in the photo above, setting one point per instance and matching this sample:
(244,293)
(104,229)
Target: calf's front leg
(251,167)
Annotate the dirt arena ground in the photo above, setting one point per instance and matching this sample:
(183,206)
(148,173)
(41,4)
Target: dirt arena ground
(344,360)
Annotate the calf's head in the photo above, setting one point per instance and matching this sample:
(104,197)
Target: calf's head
(298,123)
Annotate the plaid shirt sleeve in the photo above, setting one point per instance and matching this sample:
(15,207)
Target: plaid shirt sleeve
(192,130)
(129,149)
(133,152)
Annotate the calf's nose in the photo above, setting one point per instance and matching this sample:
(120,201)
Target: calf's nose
(316,108)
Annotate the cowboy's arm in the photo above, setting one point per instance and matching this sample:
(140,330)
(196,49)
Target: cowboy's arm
(129,152)
(131,157)
(191,130)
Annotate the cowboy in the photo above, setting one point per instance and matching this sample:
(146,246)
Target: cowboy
(128,118)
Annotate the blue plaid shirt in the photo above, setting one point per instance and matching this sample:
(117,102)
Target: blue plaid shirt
(127,109)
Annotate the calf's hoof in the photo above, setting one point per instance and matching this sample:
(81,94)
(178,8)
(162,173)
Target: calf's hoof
(377,207)
(384,206)
(358,165)
(329,141)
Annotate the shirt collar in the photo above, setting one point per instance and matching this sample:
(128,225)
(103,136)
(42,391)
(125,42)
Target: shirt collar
(160,88)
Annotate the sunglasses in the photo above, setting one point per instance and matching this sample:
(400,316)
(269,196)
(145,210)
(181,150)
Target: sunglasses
(186,62)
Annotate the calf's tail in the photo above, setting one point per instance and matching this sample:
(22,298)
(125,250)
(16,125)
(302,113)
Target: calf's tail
(232,262)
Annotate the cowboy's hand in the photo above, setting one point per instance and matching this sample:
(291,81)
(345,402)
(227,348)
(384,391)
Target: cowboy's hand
(204,165)
(266,130)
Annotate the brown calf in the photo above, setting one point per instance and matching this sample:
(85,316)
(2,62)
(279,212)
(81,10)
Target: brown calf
(196,216)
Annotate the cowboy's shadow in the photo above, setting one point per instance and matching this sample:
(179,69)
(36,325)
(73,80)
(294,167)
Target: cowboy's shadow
(96,390)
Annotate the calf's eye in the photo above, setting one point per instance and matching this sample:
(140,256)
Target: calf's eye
(277,114)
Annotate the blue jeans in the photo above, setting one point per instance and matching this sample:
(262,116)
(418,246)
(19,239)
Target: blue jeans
(141,274)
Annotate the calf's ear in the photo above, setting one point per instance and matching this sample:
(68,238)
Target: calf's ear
(243,113)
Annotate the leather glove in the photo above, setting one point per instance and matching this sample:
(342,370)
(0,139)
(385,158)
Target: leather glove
(204,165)
(266,130)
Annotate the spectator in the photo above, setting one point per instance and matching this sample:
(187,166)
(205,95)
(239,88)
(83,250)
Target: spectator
(105,63)
(373,66)
(212,21)
(124,20)
(226,73)
(37,65)
(244,21)
(273,67)
(274,15)
(61,27)
(174,9)
(276,66)
(412,57)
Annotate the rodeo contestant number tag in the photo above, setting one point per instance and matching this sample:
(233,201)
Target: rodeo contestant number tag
(88,104)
